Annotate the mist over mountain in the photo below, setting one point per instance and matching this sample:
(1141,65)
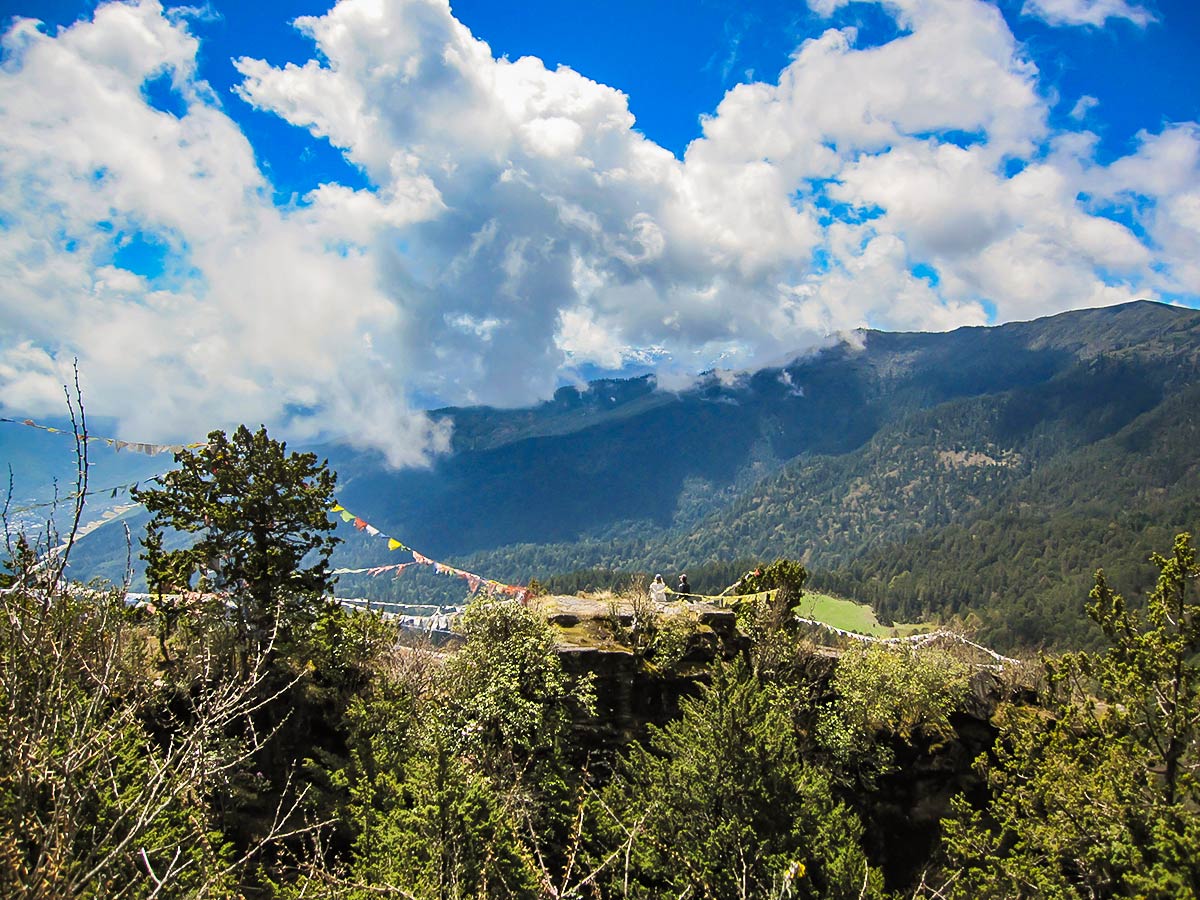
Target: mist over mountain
(983,472)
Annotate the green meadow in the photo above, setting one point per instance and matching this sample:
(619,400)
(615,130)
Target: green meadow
(850,616)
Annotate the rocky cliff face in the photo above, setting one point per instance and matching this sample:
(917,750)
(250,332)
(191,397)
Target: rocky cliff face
(904,812)
(642,659)
(901,810)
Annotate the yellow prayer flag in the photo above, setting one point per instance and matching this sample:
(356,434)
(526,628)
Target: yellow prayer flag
(337,507)
(394,544)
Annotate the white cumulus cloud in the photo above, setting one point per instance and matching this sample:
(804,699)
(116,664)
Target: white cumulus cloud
(517,226)
(1087,12)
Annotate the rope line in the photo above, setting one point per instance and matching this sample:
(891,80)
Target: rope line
(915,640)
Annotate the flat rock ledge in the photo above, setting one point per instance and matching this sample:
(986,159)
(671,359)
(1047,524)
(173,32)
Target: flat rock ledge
(570,612)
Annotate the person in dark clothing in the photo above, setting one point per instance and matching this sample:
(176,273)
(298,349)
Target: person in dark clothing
(683,587)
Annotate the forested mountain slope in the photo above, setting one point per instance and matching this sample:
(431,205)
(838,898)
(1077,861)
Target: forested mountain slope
(985,470)
(621,452)
(982,471)
(1024,559)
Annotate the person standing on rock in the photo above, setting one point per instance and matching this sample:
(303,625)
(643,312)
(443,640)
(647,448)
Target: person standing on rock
(658,590)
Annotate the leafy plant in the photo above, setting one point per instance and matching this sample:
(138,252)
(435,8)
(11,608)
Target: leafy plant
(721,804)
(1097,795)
(883,693)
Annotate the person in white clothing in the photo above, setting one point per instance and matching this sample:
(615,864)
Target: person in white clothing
(658,590)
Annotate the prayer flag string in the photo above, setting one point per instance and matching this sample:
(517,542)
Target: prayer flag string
(117,445)
(112,491)
(474,582)
(726,599)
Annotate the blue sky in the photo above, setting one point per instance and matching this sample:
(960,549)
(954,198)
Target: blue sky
(333,223)
(676,60)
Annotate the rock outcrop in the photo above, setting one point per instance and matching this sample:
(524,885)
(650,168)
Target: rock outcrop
(902,810)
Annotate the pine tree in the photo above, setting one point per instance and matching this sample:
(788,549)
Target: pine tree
(257,513)
(1098,798)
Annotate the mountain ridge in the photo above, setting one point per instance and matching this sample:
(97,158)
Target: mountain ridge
(863,452)
(843,389)
(856,458)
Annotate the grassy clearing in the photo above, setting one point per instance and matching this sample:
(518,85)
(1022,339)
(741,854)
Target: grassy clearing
(850,616)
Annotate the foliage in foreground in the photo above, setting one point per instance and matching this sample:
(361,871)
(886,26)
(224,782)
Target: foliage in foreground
(92,801)
(720,803)
(214,762)
(1096,793)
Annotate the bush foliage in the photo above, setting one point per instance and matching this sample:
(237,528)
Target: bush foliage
(216,759)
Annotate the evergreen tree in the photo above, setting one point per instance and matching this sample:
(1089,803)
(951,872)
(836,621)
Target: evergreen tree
(1099,798)
(257,513)
(721,804)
